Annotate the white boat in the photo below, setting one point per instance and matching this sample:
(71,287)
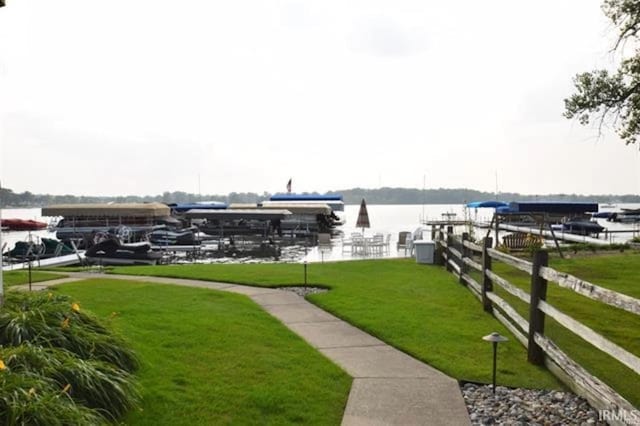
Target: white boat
(625,216)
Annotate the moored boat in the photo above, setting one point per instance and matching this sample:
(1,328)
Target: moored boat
(44,248)
(22,224)
(240,221)
(580,227)
(625,216)
(111,251)
(168,237)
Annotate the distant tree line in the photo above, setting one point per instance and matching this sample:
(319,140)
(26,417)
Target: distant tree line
(462,195)
(8,198)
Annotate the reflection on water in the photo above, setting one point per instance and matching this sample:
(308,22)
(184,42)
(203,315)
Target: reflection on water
(384,219)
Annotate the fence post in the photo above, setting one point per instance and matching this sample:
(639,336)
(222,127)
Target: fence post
(439,257)
(448,249)
(464,251)
(439,238)
(536,316)
(487,284)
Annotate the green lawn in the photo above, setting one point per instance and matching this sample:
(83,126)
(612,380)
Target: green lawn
(619,272)
(210,357)
(77,268)
(419,309)
(22,277)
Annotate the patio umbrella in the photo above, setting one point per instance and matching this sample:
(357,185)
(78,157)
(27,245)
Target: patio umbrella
(363,217)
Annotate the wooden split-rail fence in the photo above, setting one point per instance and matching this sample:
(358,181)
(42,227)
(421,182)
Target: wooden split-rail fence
(457,254)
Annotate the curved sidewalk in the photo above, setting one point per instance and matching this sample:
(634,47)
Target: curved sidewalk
(389,387)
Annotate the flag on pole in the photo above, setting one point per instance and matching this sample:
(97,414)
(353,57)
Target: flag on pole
(289,186)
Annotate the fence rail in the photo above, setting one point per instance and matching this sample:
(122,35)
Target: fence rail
(592,291)
(457,254)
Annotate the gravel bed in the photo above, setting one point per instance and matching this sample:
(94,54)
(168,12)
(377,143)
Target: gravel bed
(526,407)
(304,291)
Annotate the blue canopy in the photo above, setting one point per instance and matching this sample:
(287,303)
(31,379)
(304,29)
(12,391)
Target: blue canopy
(305,197)
(505,210)
(557,207)
(183,207)
(490,204)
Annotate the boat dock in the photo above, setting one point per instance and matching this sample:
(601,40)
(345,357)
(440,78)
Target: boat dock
(446,222)
(559,235)
(66,260)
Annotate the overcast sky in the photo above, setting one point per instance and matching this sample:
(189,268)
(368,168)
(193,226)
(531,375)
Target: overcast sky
(143,96)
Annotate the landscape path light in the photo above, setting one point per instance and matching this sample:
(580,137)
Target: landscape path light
(305,272)
(494,338)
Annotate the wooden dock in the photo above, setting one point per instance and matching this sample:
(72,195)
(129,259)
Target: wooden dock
(445,222)
(560,235)
(66,260)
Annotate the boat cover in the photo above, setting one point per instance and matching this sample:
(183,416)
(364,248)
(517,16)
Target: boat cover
(243,206)
(297,208)
(555,207)
(247,214)
(602,215)
(183,207)
(490,204)
(305,197)
(108,210)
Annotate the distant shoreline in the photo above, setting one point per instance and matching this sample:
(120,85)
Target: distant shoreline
(9,199)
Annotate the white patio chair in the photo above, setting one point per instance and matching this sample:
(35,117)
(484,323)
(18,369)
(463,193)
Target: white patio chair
(387,244)
(346,242)
(357,243)
(408,245)
(377,244)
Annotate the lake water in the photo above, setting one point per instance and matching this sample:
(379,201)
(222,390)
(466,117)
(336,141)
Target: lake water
(385,219)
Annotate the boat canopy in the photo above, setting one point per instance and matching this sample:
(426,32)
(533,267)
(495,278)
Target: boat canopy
(236,206)
(183,207)
(305,197)
(108,210)
(298,208)
(554,207)
(490,204)
(505,210)
(602,215)
(247,214)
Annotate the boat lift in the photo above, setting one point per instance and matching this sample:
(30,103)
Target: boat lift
(543,214)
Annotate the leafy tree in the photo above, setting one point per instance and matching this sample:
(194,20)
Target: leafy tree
(613,96)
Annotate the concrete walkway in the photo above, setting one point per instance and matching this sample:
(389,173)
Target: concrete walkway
(389,387)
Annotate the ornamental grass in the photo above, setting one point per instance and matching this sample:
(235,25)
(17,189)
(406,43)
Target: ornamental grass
(50,320)
(61,365)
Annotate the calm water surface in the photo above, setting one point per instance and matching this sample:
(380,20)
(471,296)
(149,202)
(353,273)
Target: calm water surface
(385,219)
